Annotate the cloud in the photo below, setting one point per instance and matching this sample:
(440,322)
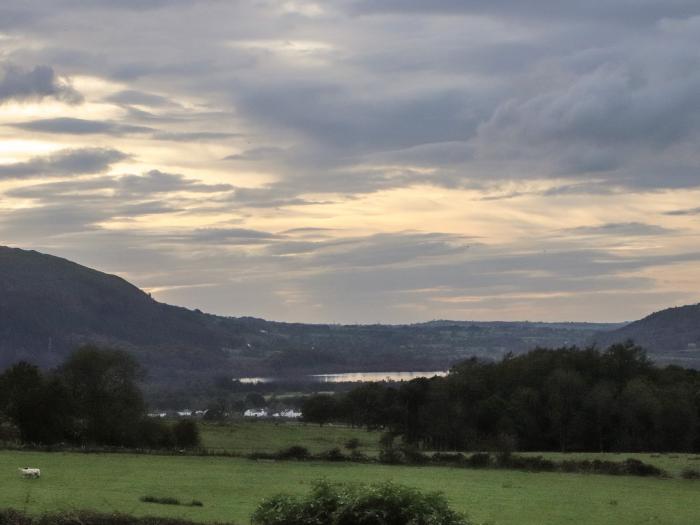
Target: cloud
(77,126)
(63,163)
(621,229)
(363,161)
(140,98)
(35,84)
(685,212)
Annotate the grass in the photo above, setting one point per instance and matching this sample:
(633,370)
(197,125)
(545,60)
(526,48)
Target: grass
(248,437)
(231,488)
(673,463)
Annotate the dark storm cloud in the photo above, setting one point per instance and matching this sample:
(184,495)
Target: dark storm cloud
(37,83)
(63,163)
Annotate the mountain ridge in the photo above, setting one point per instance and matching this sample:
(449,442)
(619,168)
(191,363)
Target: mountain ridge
(50,305)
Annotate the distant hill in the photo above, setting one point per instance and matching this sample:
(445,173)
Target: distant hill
(671,335)
(49,305)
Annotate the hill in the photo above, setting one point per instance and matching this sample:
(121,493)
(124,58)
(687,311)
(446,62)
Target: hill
(49,305)
(670,335)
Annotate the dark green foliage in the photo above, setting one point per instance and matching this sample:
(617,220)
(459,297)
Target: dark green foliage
(92,400)
(384,504)
(186,434)
(107,400)
(41,408)
(319,409)
(333,454)
(690,473)
(13,517)
(161,500)
(565,399)
(255,400)
(352,444)
(479,460)
(155,434)
(294,452)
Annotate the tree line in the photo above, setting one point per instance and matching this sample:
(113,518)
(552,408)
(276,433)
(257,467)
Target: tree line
(548,399)
(93,398)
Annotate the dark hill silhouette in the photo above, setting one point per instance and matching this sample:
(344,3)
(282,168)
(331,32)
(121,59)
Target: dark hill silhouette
(49,305)
(671,335)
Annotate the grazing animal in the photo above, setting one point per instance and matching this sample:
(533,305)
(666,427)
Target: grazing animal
(30,473)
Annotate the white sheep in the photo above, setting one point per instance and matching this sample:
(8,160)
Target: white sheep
(30,473)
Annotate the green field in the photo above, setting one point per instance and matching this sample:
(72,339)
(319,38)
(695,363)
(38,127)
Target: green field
(246,437)
(231,488)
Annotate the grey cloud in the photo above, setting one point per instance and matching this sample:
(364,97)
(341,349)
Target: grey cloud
(63,163)
(76,126)
(155,182)
(140,98)
(231,235)
(152,183)
(194,136)
(35,84)
(260,153)
(685,212)
(624,11)
(621,229)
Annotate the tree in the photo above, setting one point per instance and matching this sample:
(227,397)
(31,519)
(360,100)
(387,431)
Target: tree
(186,434)
(565,389)
(320,409)
(108,402)
(255,400)
(38,406)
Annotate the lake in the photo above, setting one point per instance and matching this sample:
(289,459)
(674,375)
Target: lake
(348,377)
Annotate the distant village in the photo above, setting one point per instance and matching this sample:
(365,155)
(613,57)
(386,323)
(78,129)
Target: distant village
(288,413)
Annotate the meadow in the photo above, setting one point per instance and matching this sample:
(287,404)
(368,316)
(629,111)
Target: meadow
(246,437)
(231,488)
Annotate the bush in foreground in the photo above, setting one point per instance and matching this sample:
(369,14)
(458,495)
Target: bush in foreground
(333,504)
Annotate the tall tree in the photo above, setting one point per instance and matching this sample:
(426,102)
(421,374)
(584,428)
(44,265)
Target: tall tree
(108,401)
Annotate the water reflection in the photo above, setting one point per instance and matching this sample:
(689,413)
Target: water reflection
(348,377)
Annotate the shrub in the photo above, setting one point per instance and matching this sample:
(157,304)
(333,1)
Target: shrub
(390,456)
(333,454)
(690,473)
(162,500)
(635,467)
(479,460)
(330,504)
(294,452)
(155,434)
(186,434)
(352,444)
(529,463)
(448,457)
(413,455)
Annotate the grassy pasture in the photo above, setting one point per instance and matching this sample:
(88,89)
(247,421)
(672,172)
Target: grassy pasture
(246,437)
(231,488)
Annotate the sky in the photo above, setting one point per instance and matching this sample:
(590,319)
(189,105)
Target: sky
(361,161)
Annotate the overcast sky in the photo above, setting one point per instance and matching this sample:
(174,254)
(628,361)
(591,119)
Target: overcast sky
(361,160)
